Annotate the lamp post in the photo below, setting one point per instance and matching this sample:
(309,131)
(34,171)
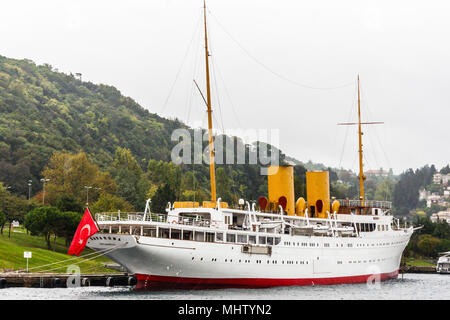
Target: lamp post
(29,189)
(43,194)
(87,193)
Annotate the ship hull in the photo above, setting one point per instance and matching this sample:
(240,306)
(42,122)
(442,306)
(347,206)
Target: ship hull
(296,261)
(152,282)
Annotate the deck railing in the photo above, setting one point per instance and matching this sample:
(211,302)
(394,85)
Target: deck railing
(367,203)
(151,217)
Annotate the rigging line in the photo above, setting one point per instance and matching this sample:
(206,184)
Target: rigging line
(181,66)
(63,261)
(86,260)
(215,87)
(274,72)
(216,90)
(369,166)
(366,116)
(228,95)
(346,130)
(191,88)
(195,71)
(354,161)
(376,135)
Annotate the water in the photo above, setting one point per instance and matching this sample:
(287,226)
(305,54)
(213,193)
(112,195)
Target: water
(411,287)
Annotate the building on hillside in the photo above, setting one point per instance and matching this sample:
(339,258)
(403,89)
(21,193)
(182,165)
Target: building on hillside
(424,194)
(433,199)
(439,178)
(441,216)
(376,173)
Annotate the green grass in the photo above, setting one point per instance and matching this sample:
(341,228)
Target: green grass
(418,262)
(11,254)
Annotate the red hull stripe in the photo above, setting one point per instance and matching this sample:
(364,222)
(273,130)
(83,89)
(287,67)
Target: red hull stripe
(150,282)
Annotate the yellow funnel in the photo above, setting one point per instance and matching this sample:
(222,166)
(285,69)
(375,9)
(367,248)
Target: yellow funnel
(318,193)
(281,184)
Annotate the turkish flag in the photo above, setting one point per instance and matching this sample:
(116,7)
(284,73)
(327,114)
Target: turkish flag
(86,228)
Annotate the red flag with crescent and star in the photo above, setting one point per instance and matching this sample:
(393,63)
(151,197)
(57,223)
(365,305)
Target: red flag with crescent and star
(86,228)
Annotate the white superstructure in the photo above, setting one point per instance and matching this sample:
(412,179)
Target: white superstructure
(212,247)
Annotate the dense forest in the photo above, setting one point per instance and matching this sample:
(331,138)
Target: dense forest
(43,111)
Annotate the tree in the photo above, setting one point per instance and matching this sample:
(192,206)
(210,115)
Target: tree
(44,221)
(2,219)
(67,204)
(427,245)
(131,184)
(69,173)
(223,183)
(67,225)
(160,172)
(110,203)
(445,170)
(384,190)
(13,207)
(441,230)
(163,195)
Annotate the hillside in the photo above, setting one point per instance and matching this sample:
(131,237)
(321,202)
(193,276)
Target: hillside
(42,111)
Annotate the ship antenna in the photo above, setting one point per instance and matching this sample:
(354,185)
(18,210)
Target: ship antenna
(362,177)
(212,172)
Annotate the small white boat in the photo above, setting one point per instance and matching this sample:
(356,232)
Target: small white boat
(443,264)
(345,230)
(320,229)
(270,224)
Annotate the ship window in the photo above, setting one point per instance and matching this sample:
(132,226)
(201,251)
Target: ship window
(199,236)
(252,239)
(242,238)
(209,237)
(151,232)
(231,237)
(270,240)
(262,240)
(219,236)
(312,211)
(188,235)
(277,240)
(164,232)
(175,234)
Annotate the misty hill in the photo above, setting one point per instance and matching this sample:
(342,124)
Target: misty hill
(42,111)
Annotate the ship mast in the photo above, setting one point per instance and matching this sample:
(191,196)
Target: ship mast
(362,177)
(361,172)
(212,171)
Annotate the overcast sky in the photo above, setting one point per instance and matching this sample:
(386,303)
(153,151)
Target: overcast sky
(263,51)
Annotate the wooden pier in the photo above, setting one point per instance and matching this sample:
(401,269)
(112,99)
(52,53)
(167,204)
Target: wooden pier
(61,280)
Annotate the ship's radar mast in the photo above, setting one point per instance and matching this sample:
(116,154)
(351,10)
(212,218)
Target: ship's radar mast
(362,177)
